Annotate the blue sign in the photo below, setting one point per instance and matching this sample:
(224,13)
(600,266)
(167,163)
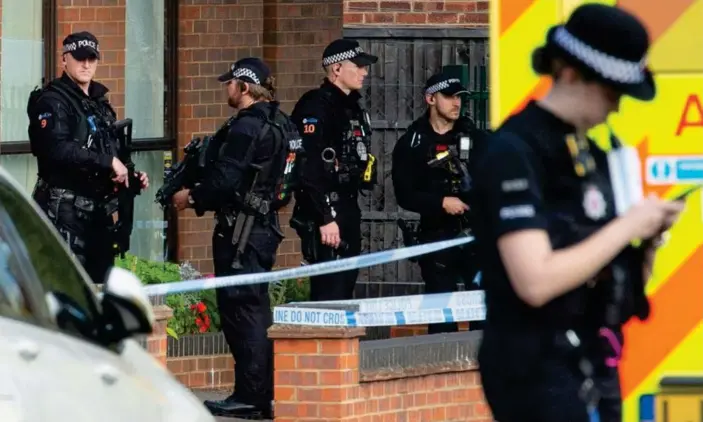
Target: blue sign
(673,170)
(646,408)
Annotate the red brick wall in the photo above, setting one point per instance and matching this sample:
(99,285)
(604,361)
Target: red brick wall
(317,377)
(465,13)
(211,372)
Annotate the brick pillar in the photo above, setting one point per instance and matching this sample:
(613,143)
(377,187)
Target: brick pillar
(295,34)
(157,341)
(316,372)
(107,23)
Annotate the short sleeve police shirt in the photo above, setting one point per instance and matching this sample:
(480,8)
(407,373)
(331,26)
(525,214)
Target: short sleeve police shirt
(525,172)
(511,187)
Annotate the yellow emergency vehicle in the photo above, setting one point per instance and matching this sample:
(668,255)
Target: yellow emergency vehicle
(662,366)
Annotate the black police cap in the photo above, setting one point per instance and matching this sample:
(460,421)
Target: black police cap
(81,45)
(608,42)
(445,84)
(343,49)
(249,69)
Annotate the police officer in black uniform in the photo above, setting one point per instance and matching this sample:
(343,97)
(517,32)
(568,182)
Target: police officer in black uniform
(431,177)
(69,133)
(231,191)
(336,136)
(558,266)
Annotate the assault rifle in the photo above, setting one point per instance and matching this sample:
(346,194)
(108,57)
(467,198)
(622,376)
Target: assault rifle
(449,159)
(185,174)
(121,206)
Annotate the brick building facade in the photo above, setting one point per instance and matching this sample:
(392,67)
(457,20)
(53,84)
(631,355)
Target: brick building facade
(160,61)
(462,13)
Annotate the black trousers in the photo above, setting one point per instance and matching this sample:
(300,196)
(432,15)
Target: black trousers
(443,270)
(245,312)
(86,232)
(607,382)
(339,286)
(525,382)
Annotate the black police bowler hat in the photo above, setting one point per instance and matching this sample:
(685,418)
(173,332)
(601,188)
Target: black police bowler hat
(445,84)
(610,43)
(81,45)
(343,49)
(249,69)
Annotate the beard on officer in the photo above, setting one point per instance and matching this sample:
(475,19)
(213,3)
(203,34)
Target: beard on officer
(226,189)
(336,134)
(69,133)
(431,176)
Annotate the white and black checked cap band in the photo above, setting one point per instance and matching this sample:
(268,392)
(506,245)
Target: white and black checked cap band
(240,72)
(440,86)
(340,57)
(607,66)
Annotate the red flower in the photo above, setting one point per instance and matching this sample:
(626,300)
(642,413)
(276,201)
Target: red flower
(203,328)
(192,307)
(201,307)
(198,321)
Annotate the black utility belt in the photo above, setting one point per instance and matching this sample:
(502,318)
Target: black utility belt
(83,203)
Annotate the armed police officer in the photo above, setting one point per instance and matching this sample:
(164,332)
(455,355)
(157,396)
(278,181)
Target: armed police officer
(242,188)
(431,177)
(338,164)
(72,136)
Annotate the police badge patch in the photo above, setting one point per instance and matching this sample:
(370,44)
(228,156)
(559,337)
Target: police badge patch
(594,203)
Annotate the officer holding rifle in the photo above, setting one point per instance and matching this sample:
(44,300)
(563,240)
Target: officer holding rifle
(431,177)
(87,182)
(244,164)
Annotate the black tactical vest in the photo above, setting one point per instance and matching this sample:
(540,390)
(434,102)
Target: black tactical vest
(94,117)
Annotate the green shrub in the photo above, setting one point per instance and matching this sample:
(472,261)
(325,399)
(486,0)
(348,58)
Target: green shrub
(187,315)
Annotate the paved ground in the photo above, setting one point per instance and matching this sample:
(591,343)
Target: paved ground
(216,395)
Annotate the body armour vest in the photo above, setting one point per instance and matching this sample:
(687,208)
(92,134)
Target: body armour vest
(350,157)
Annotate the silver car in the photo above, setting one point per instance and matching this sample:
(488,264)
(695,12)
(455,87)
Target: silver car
(65,354)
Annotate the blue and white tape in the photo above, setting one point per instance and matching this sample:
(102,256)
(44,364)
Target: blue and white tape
(344,264)
(320,317)
(455,300)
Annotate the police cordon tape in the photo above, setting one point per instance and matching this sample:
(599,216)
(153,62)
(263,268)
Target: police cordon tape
(409,303)
(388,311)
(345,264)
(336,318)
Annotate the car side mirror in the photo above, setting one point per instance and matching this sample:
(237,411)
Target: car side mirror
(126,308)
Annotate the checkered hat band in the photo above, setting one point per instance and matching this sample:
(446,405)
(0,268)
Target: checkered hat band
(244,72)
(340,57)
(609,67)
(439,86)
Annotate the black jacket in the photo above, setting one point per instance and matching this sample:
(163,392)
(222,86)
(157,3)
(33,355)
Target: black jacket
(322,116)
(415,183)
(62,160)
(229,174)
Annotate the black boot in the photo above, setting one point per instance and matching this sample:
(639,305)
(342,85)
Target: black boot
(234,408)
